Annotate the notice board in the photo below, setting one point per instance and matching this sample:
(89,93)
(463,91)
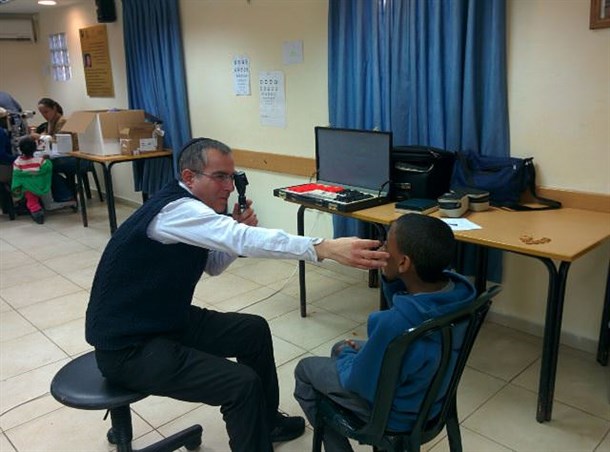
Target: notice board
(96,61)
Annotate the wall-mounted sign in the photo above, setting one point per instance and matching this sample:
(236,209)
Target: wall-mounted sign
(96,61)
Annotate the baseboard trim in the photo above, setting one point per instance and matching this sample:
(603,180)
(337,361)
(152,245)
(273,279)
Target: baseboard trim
(535,329)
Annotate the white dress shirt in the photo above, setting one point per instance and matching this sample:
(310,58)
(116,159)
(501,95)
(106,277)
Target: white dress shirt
(190,221)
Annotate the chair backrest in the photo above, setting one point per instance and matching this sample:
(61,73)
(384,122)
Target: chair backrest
(469,321)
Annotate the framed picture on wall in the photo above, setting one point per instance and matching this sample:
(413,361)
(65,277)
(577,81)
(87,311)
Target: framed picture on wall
(600,14)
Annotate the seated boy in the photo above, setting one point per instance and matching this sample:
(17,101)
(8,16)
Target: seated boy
(418,287)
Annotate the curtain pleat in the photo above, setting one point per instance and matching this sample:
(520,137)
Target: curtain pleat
(156,80)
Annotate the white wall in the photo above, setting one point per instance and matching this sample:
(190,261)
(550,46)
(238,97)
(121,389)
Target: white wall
(559,101)
(34,78)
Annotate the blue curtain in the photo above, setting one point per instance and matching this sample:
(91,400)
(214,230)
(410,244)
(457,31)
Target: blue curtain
(431,71)
(156,80)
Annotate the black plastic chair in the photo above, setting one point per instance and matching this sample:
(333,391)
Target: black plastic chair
(86,168)
(374,432)
(6,197)
(80,384)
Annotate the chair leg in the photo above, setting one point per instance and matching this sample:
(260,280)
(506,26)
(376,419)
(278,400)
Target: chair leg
(86,185)
(453,429)
(121,433)
(7,202)
(97,184)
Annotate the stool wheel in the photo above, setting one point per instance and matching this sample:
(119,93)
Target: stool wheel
(110,436)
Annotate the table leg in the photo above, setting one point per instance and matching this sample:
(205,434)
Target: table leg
(552,333)
(81,195)
(110,197)
(603,347)
(302,293)
(480,279)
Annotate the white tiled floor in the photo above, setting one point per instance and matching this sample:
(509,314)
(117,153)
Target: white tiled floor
(45,276)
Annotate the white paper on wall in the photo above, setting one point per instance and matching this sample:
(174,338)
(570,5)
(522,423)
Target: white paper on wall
(272,99)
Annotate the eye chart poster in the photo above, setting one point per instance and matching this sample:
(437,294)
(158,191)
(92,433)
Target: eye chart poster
(241,75)
(272,99)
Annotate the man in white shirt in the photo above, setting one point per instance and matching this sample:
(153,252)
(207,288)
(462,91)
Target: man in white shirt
(147,335)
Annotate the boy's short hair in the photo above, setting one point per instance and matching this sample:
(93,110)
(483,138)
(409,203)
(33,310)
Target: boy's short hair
(27,146)
(429,243)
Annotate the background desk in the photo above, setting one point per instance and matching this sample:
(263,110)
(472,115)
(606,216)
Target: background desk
(573,233)
(107,161)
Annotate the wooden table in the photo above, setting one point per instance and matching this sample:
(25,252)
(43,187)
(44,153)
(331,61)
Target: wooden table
(107,162)
(573,233)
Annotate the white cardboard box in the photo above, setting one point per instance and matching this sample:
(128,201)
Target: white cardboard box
(98,131)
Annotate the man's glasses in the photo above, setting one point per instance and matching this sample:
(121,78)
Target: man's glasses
(222,178)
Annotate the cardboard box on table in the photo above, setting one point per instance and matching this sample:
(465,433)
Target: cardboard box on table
(139,138)
(98,131)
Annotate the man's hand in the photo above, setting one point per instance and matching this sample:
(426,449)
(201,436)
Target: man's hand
(247,216)
(352,251)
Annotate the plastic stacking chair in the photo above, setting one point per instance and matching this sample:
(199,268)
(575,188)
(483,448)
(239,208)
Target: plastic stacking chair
(429,423)
(6,197)
(80,384)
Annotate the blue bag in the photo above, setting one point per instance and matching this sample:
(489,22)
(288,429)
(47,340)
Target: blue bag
(505,178)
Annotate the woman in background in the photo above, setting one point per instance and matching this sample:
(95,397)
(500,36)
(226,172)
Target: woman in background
(64,168)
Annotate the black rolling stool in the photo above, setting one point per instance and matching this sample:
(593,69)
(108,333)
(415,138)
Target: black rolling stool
(80,384)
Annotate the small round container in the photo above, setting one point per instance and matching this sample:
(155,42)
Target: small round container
(453,205)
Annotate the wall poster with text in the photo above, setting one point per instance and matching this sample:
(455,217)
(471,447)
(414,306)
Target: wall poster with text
(96,61)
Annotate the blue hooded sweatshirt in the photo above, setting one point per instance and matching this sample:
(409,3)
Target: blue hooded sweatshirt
(359,370)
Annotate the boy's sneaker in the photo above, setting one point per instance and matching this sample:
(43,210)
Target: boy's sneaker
(287,428)
(38,216)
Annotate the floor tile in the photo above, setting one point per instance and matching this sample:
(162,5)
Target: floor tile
(14,259)
(262,300)
(67,430)
(5,445)
(74,261)
(27,353)
(580,382)
(161,410)
(267,271)
(276,305)
(70,337)
(509,419)
(502,354)
(317,286)
(13,325)
(471,442)
(475,388)
(40,290)
(604,446)
(318,327)
(57,311)
(285,351)
(24,274)
(18,395)
(218,288)
(355,302)
(4,306)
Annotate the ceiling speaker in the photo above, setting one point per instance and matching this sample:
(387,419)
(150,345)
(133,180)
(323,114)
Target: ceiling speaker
(106,12)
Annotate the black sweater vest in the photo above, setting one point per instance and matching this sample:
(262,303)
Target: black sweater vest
(142,288)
